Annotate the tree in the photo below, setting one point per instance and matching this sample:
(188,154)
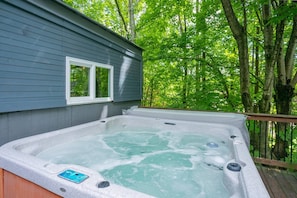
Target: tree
(186,58)
(275,19)
(285,60)
(240,34)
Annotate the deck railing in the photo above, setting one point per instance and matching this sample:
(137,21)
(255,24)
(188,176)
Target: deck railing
(273,139)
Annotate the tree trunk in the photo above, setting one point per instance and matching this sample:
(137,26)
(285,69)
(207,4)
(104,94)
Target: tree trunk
(240,35)
(265,102)
(132,21)
(197,54)
(182,21)
(184,91)
(151,92)
(256,68)
(283,97)
(283,58)
(284,89)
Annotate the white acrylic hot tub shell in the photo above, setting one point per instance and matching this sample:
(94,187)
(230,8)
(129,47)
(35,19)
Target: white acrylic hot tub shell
(233,119)
(18,157)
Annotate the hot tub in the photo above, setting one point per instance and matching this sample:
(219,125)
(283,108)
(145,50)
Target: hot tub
(61,161)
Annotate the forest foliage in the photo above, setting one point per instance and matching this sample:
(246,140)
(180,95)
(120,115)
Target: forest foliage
(194,59)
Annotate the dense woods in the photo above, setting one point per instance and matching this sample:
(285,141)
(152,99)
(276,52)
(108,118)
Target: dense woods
(222,55)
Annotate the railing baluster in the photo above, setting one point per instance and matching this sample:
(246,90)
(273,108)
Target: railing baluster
(285,141)
(277,136)
(273,137)
(254,137)
(265,139)
(259,138)
(291,143)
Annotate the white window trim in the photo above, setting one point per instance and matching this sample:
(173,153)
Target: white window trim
(91,98)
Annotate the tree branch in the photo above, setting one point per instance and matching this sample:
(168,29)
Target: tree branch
(234,24)
(122,17)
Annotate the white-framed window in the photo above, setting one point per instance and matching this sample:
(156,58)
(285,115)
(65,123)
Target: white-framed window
(88,82)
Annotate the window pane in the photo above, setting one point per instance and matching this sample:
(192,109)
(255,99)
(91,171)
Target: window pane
(102,82)
(79,81)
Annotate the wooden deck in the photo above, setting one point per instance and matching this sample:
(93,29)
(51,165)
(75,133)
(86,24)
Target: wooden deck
(279,183)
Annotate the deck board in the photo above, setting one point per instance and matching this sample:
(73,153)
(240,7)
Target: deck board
(279,183)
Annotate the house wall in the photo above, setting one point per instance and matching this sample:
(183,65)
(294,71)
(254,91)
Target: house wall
(35,38)
(17,125)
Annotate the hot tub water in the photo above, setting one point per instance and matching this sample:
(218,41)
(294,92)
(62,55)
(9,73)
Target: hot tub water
(162,163)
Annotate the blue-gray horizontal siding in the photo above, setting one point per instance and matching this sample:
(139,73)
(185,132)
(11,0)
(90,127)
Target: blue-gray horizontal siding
(34,44)
(31,76)
(129,81)
(17,125)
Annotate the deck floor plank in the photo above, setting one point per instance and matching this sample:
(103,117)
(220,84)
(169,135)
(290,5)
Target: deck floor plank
(291,184)
(271,184)
(263,176)
(284,184)
(279,183)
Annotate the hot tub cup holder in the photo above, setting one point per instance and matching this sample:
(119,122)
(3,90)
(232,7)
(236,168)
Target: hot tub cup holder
(231,177)
(233,166)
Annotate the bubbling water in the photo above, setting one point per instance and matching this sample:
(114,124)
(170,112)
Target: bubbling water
(160,163)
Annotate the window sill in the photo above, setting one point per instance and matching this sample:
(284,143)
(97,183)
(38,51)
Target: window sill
(88,101)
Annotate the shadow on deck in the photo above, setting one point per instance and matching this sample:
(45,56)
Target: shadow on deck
(279,183)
